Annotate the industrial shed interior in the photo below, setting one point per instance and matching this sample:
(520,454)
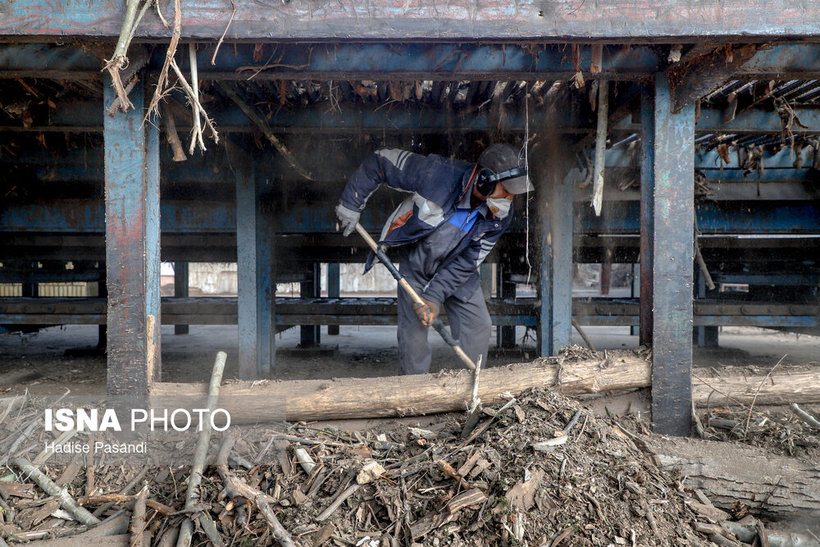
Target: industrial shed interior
(699,126)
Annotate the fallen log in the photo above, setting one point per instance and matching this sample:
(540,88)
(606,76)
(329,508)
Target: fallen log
(346,398)
(771,485)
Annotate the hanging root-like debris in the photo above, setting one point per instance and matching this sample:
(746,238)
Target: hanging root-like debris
(191,93)
(134,11)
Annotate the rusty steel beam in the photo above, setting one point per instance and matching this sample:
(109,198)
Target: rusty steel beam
(457,19)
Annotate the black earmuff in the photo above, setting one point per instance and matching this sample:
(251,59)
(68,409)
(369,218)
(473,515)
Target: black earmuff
(485,183)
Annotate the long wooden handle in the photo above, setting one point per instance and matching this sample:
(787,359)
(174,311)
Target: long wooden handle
(411,292)
(402,281)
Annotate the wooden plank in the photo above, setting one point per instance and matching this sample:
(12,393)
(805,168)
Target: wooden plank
(132,249)
(674,214)
(458,19)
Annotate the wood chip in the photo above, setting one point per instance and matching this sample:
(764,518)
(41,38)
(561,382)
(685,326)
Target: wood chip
(371,471)
(17,489)
(522,494)
(466,499)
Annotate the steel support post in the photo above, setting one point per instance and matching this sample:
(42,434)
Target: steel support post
(704,337)
(647,212)
(181,290)
(333,289)
(505,335)
(265,280)
(254,266)
(674,150)
(560,219)
(132,230)
(310,335)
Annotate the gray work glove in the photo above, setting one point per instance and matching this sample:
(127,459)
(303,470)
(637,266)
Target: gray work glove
(348,218)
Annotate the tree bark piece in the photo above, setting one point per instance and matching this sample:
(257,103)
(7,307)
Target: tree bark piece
(344,398)
(771,485)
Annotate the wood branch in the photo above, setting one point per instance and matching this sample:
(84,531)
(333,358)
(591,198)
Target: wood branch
(124,499)
(66,501)
(171,135)
(771,485)
(139,534)
(266,130)
(805,416)
(343,398)
(119,60)
(201,452)
(235,487)
(600,147)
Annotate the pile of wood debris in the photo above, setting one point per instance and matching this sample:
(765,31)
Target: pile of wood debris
(538,470)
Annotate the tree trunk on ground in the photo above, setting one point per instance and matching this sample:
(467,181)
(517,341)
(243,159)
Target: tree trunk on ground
(345,398)
(771,485)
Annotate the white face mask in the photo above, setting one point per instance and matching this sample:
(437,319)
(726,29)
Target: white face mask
(500,207)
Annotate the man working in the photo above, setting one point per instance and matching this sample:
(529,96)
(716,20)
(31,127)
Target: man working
(442,232)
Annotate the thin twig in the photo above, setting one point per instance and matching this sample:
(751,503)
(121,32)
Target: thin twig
(221,38)
(196,131)
(338,501)
(757,391)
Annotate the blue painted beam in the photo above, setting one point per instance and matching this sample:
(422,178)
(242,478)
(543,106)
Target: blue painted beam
(672,257)
(60,62)
(781,159)
(761,120)
(132,231)
(350,61)
(791,62)
(87,116)
(680,20)
(87,216)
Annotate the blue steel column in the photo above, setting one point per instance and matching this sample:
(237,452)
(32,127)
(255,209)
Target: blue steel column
(180,290)
(333,289)
(132,231)
(647,211)
(505,335)
(310,335)
(254,256)
(561,228)
(265,280)
(673,264)
(544,330)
